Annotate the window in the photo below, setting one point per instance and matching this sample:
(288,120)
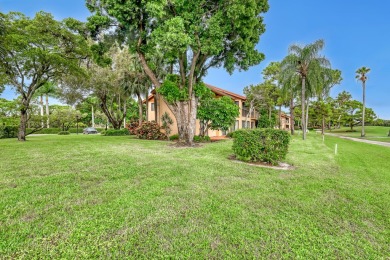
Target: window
(252,125)
(152,106)
(237,103)
(243,124)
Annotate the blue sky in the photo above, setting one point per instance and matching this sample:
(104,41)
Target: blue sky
(355,34)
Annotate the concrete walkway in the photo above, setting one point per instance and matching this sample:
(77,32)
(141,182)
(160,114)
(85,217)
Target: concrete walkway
(360,140)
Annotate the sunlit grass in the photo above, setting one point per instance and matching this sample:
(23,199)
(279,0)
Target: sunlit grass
(374,133)
(119,197)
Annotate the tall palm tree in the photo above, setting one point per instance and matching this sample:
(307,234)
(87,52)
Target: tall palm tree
(49,90)
(306,62)
(361,74)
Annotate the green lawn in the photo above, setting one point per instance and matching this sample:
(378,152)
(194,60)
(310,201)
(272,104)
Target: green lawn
(119,197)
(375,133)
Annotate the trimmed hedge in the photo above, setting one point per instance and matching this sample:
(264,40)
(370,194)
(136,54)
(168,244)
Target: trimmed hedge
(113,132)
(9,131)
(56,130)
(261,145)
(64,133)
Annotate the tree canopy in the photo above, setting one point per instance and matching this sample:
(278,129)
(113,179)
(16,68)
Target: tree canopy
(192,37)
(35,51)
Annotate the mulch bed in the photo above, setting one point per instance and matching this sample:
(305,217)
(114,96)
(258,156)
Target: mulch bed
(280,166)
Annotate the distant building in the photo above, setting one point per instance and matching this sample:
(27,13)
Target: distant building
(285,121)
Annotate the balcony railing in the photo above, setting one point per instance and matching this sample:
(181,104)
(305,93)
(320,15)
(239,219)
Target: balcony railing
(245,112)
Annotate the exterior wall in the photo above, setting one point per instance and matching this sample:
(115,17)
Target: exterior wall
(162,108)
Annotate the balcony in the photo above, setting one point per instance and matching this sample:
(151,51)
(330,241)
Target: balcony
(245,112)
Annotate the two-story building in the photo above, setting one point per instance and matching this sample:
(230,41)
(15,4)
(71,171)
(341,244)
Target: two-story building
(244,120)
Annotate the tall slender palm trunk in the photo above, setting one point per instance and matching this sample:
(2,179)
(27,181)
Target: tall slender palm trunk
(307,114)
(363,134)
(41,105)
(93,117)
(292,121)
(303,98)
(47,111)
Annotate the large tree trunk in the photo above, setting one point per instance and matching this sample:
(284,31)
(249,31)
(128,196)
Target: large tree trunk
(192,119)
(23,125)
(292,122)
(47,111)
(303,98)
(363,134)
(280,116)
(185,113)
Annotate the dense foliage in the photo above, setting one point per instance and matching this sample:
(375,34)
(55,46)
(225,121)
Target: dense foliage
(150,131)
(8,131)
(132,127)
(217,114)
(261,145)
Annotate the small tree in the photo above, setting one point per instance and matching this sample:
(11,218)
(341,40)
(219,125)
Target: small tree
(217,114)
(166,123)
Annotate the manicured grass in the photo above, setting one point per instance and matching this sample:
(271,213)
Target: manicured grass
(375,133)
(119,197)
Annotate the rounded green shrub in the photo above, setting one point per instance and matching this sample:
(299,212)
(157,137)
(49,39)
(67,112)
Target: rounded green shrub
(201,139)
(7,131)
(174,137)
(261,145)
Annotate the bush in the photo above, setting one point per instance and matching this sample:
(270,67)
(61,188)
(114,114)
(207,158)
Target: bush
(64,133)
(8,131)
(174,137)
(261,145)
(201,139)
(132,126)
(230,134)
(150,131)
(114,132)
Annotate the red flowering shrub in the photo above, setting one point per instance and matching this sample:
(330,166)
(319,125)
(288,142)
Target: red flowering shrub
(150,131)
(132,126)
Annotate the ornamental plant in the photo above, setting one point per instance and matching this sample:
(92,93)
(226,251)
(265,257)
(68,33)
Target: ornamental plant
(150,131)
(261,145)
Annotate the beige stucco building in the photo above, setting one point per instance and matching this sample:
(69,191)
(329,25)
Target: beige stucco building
(155,112)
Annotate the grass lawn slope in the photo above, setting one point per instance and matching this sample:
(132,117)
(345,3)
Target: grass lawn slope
(120,197)
(374,133)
